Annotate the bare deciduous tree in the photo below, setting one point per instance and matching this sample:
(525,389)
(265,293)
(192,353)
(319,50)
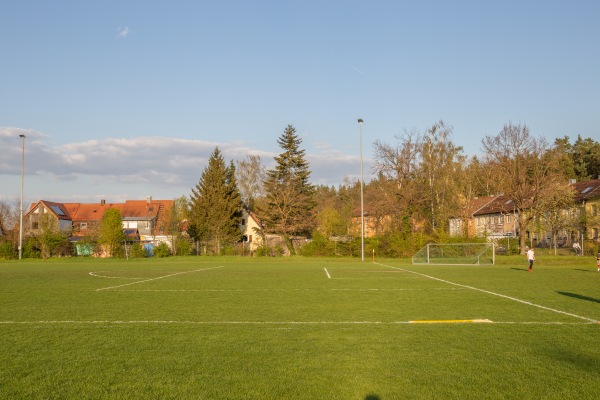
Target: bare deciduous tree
(529,169)
(250,174)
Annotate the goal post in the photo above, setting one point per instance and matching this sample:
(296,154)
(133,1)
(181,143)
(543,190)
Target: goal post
(456,254)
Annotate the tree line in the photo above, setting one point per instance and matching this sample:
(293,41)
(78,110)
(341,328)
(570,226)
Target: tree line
(421,180)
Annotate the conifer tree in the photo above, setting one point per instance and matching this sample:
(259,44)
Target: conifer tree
(216,207)
(290,195)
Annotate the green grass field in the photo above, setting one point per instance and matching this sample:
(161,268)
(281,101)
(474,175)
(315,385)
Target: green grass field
(279,328)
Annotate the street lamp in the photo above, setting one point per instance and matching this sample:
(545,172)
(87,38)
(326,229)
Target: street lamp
(362,209)
(21,208)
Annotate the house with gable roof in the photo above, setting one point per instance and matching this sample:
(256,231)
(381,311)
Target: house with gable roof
(497,218)
(251,229)
(587,199)
(47,212)
(465,223)
(147,219)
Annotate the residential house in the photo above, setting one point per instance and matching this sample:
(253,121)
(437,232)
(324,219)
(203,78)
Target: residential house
(47,213)
(457,224)
(374,223)
(497,219)
(251,228)
(587,198)
(147,219)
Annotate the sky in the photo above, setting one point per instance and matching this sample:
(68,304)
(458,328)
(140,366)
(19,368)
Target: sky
(120,100)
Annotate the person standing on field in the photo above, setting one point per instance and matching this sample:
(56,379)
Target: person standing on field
(577,248)
(531,258)
(598,260)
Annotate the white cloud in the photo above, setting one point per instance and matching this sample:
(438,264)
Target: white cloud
(135,167)
(122,33)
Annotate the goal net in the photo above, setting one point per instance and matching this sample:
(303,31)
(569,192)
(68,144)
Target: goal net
(456,254)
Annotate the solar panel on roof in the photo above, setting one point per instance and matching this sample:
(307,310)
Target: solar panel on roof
(58,211)
(587,189)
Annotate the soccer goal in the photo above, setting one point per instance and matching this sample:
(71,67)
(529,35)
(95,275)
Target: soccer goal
(456,254)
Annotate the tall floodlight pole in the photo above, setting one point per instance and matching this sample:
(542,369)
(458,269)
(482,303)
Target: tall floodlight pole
(362,205)
(21,207)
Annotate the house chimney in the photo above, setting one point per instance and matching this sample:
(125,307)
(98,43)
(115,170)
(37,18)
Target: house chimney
(572,181)
(102,202)
(148,200)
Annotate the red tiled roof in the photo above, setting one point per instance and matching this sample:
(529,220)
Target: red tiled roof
(586,190)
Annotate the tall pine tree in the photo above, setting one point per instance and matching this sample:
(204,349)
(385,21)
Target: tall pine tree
(216,207)
(290,195)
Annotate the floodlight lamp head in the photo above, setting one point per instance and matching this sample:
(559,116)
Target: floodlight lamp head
(360,121)
(22,136)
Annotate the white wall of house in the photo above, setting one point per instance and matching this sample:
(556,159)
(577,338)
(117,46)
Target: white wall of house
(248,227)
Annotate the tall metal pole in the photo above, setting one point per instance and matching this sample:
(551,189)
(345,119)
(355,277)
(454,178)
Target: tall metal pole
(362,205)
(22,185)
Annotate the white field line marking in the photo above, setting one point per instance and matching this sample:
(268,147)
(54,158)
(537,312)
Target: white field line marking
(289,290)
(593,321)
(160,277)
(95,274)
(327,272)
(283,323)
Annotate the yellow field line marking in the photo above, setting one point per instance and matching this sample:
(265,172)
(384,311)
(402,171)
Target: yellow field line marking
(451,321)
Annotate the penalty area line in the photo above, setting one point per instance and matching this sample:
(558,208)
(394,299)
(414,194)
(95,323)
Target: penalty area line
(327,272)
(590,320)
(159,277)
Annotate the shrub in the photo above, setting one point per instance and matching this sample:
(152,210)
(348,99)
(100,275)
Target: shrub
(7,250)
(137,251)
(162,250)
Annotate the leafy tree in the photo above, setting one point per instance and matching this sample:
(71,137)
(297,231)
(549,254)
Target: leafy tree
(51,240)
(175,215)
(216,206)
(110,232)
(290,202)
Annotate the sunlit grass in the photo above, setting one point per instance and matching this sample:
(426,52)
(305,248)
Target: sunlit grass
(232,328)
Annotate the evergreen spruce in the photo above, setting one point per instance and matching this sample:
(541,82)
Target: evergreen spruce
(216,207)
(290,196)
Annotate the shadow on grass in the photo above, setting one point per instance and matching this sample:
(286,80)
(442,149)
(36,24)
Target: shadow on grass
(520,269)
(578,296)
(576,359)
(584,270)
(372,397)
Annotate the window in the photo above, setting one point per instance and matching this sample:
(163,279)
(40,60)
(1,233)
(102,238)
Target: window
(243,221)
(594,210)
(249,238)
(595,233)
(83,226)
(34,225)
(508,218)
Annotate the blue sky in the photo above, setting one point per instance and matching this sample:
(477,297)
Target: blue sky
(125,99)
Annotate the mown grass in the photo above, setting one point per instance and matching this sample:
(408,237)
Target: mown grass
(233,328)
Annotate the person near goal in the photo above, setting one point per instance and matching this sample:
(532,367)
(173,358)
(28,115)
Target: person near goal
(530,258)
